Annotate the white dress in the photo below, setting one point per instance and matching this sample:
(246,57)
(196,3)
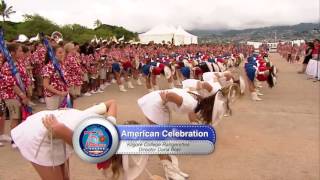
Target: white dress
(211,76)
(192,84)
(152,105)
(30,133)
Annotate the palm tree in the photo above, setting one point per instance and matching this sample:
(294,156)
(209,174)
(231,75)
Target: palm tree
(5,11)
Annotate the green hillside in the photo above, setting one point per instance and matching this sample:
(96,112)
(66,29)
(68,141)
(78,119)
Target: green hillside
(33,24)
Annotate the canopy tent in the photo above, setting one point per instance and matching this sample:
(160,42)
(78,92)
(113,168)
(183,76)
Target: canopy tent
(167,34)
(183,37)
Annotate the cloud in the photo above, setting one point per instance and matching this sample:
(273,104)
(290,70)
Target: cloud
(140,15)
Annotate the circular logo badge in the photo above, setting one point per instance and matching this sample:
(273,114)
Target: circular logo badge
(95,139)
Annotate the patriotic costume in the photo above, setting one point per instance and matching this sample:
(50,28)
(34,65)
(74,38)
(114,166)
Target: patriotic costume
(152,105)
(193,84)
(260,69)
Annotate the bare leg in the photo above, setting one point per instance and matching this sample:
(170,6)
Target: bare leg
(2,122)
(50,173)
(161,157)
(126,76)
(148,82)
(117,75)
(135,73)
(14,123)
(154,80)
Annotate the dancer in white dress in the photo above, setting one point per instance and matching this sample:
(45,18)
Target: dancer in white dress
(41,138)
(157,107)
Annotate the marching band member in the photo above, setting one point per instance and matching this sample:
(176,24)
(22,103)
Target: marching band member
(55,89)
(3,137)
(104,65)
(73,69)
(84,58)
(38,59)
(13,96)
(93,66)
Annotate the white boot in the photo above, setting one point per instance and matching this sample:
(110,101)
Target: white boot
(254,96)
(258,84)
(130,86)
(175,163)
(259,94)
(5,138)
(171,172)
(122,89)
(139,82)
(102,87)
(171,85)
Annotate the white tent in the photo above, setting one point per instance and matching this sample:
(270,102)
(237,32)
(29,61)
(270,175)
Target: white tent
(164,33)
(183,37)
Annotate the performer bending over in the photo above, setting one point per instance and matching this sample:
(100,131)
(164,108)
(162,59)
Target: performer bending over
(157,107)
(50,156)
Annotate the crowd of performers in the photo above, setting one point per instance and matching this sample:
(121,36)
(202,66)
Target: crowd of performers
(291,52)
(310,51)
(203,81)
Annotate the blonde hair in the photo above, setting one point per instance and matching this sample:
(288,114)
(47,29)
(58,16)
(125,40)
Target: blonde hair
(69,47)
(116,160)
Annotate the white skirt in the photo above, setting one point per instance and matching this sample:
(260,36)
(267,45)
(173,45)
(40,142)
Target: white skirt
(152,106)
(34,142)
(191,84)
(313,68)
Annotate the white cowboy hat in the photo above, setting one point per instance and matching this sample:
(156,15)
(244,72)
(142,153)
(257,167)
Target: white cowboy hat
(22,38)
(36,38)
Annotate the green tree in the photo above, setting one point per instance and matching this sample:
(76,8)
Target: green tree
(97,23)
(35,24)
(5,11)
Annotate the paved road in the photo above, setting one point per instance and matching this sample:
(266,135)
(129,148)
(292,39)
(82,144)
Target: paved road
(274,139)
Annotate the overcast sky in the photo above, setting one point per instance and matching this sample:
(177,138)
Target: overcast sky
(140,15)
